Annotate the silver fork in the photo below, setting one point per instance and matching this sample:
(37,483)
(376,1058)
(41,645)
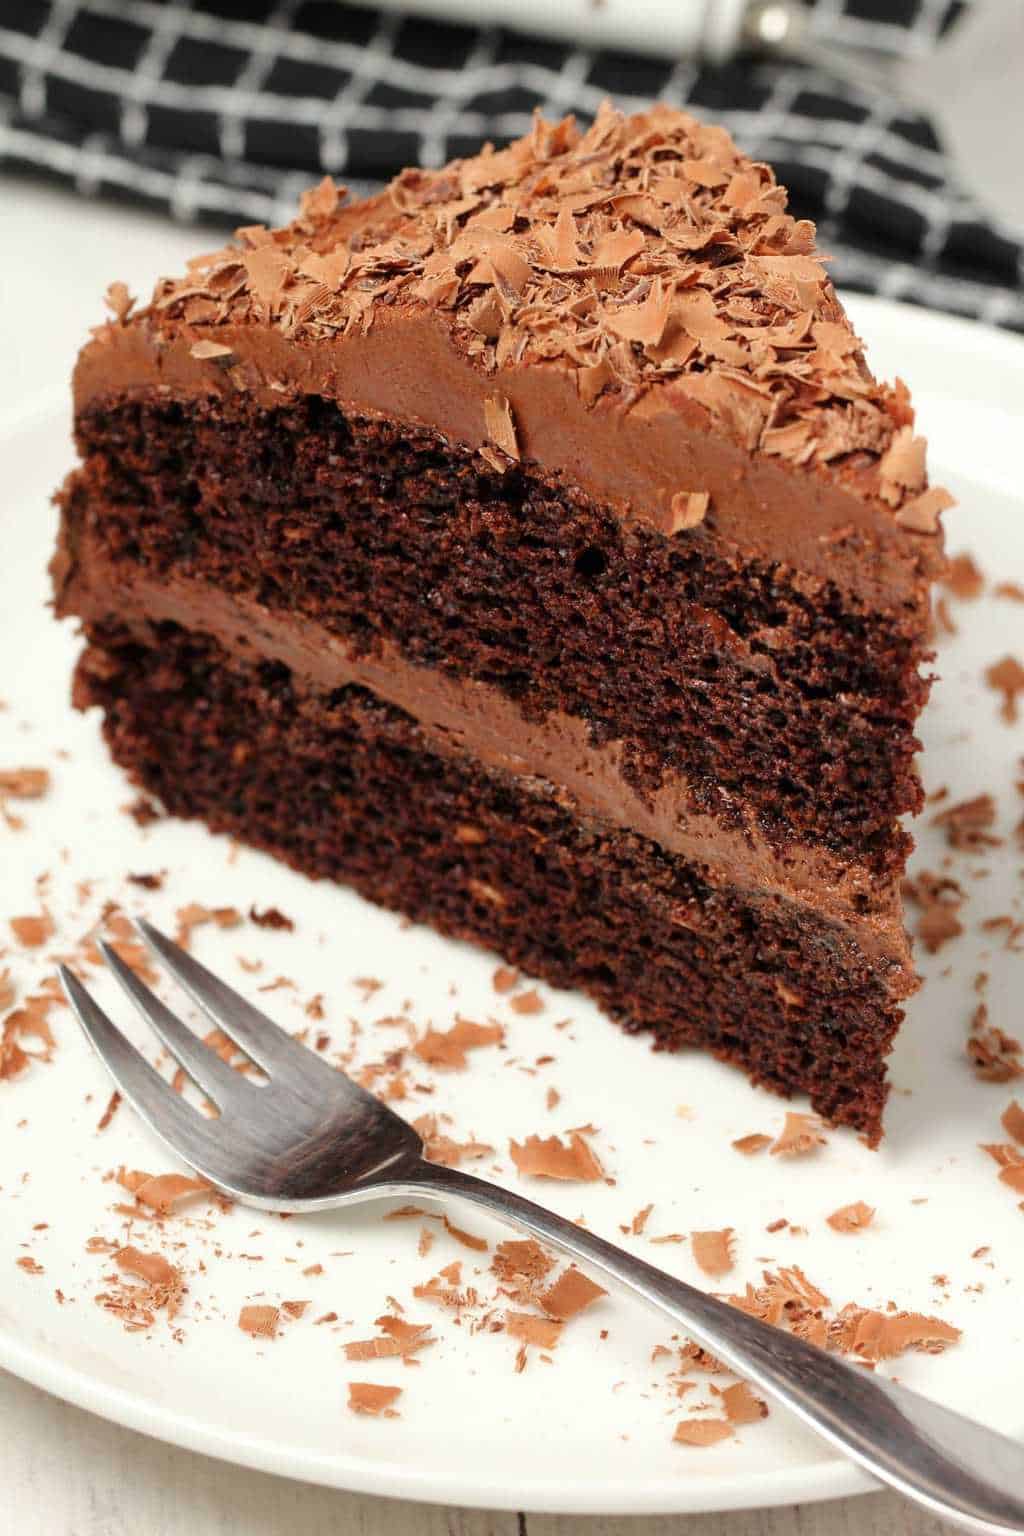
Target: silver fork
(309,1139)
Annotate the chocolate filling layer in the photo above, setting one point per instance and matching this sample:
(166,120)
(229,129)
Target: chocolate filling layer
(345,786)
(463,716)
(767,691)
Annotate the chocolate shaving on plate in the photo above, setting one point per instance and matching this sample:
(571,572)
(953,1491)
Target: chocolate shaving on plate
(702,1432)
(713,1251)
(571,1294)
(369,1398)
(967,824)
(963,577)
(448,1048)
(851,1218)
(260,1321)
(1007,677)
(800,1135)
(549,1158)
(995,1056)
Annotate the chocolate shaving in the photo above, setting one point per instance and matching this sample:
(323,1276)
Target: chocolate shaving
(467,1239)
(195,916)
(967,824)
(788,1299)
(268,270)
(800,1135)
(874,1336)
(902,466)
(24,1024)
(260,1321)
(322,201)
(270,917)
(940,899)
(161,1288)
(148,882)
(995,1056)
(638,1225)
(644,322)
(702,1432)
(119,301)
(150,1267)
(751,1145)
(544,1332)
(445,1288)
(34,931)
(1013,1121)
(1007,677)
(376,1401)
(397,1339)
(527,1002)
(741,1406)
(143,811)
(208,350)
(439,1148)
(571,1294)
(612,251)
(500,425)
(166,1191)
(851,1218)
(328,270)
(113,1105)
(24,783)
(1011,927)
(687,510)
(713,1251)
(521,1263)
(963,577)
(549,1158)
(449,1048)
(922,514)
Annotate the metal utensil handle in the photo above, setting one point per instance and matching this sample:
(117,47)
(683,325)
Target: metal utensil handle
(712,29)
(958,1469)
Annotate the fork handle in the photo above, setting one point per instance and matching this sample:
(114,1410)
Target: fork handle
(954,1467)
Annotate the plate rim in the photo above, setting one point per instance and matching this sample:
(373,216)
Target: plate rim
(834,1479)
(827,1480)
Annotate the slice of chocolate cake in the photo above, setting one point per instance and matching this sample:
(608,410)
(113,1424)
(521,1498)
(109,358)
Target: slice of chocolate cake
(531,548)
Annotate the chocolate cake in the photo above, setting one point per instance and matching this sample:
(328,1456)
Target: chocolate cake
(531,548)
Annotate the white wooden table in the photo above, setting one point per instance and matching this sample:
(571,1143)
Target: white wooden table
(62,1471)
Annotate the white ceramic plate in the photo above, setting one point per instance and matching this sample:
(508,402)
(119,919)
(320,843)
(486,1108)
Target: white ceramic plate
(590,1433)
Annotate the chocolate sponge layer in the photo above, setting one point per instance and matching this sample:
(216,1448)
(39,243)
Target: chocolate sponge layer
(764,689)
(346,787)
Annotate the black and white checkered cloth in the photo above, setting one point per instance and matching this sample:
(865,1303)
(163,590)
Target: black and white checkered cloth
(226,109)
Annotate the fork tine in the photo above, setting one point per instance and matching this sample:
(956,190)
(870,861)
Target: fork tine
(269,1046)
(206,1069)
(142,1085)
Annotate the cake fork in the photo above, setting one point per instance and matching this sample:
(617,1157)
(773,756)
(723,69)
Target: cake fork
(310,1139)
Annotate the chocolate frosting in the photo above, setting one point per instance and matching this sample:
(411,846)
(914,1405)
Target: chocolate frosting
(631,306)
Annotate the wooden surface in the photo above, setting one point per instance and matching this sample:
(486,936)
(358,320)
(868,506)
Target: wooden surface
(64,1472)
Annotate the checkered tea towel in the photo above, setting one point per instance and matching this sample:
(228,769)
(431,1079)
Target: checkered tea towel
(225,109)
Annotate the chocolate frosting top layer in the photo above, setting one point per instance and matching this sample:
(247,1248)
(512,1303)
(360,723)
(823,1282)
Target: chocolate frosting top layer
(647,258)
